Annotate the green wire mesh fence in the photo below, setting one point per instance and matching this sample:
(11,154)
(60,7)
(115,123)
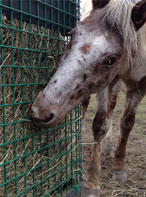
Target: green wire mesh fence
(35,161)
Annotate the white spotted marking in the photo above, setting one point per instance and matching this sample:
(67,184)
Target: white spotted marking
(35,112)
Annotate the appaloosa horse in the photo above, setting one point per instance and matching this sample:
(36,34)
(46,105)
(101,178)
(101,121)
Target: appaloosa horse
(106,47)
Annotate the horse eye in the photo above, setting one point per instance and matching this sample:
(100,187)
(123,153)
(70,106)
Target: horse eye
(110,61)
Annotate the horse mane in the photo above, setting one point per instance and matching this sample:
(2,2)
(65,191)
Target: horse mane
(118,14)
(86,7)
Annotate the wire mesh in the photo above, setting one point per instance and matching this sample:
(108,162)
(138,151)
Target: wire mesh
(35,161)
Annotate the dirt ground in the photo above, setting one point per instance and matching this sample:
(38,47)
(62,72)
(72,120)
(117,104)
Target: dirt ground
(136,153)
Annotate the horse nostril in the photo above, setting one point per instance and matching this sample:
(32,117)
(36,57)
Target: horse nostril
(51,116)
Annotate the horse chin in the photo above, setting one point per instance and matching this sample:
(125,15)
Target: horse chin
(49,125)
(40,123)
(45,125)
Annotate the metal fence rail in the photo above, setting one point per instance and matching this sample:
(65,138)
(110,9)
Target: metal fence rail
(35,161)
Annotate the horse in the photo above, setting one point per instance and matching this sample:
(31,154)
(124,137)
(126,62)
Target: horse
(107,49)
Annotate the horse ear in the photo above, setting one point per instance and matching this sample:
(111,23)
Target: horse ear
(139,14)
(99,3)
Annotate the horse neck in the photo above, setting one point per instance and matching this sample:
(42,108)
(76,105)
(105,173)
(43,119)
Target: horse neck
(139,68)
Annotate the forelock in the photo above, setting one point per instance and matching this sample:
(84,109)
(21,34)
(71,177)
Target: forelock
(116,16)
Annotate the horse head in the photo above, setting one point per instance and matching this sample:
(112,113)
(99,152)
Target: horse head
(95,55)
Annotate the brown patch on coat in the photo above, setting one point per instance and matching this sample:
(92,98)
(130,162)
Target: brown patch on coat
(66,55)
(91,85)
(72,97)
(85,48)
(77,86)
(139,14)
(131,84)
(99,3)
(55,81)
(85,104)
(97,127)
(137,85)
(69,46)
(127,122)
(79,94)
(96,69)
(71,100)
(142,85)
(112,103)
(84,77)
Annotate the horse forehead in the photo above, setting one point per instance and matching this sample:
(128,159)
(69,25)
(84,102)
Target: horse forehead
(94,34)
(101,41)
(99,44)
(85,34)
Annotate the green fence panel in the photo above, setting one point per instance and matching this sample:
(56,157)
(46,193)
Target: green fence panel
(35,161)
